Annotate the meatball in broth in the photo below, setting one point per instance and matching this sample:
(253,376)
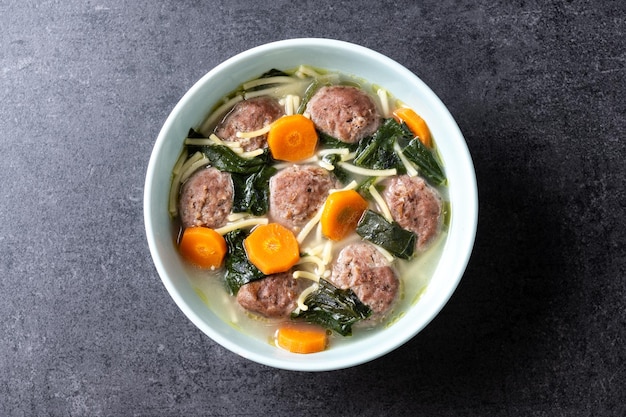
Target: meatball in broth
(363,269)
(206,199)
(415,206)
(274,296)
(345,113)
(248,116)
(297,193)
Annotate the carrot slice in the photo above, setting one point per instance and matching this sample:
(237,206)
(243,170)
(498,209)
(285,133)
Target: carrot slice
(292,138)
(203,247)
(415,123)
(341,213)
(302,338)
(272,248)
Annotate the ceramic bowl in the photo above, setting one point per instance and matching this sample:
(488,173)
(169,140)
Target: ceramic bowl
(350,59)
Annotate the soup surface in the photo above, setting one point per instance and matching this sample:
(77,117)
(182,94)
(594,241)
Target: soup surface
(332,165)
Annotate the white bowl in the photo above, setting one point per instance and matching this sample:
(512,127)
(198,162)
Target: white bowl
(346,58)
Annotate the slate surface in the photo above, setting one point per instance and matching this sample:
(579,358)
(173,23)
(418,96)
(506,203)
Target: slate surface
(537,326)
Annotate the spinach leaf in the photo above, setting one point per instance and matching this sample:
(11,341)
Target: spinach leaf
(333,308)
(274,73)
(194,134)
(225,159)
(308,93)
(239,270)
(425,160)
(376,151)
(252,192)
(390,236)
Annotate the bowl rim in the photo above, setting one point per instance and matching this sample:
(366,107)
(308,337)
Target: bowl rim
(394,339)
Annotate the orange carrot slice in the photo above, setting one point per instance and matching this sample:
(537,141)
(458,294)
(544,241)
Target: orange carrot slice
(203,247)
(292,138)
(341,213)
(302,338)
(272,248)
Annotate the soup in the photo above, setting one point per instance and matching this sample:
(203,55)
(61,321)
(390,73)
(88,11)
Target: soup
(333,169)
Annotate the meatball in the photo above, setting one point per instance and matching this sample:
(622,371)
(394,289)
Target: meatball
(247,116)
(297,193)
(343,112)
(206,199)
(362,268)
(415,206)
(274,296)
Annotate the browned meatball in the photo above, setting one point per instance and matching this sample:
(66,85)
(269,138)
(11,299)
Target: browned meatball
(274,296)
(415,206)
(343,112)
(297,193)
(206,199)
(247,116)
(362,268)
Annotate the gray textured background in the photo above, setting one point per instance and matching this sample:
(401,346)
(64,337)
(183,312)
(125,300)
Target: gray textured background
(537,326)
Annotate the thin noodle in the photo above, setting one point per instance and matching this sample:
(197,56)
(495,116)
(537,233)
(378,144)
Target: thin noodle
(309,226)
(368,172)
(381,203)
(268,80)
(304,294)
(313,250)
(251,154)
(232,217)
(180,162)
(338,151)
(327,166)
(193,168)
(410,169)
(319,263)
(385,253)
(306,274)
(327,254)
(242,224)
(253,133)
(384,102)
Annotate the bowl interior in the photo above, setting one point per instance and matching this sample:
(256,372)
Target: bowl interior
(346,58)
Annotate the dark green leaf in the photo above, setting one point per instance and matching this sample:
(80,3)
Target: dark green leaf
(390,236)
(252,191)
(239,270)
(376,152)
(333,308)
(425,160)
(194,134)
(224,159)
(274,73)
(308,93)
